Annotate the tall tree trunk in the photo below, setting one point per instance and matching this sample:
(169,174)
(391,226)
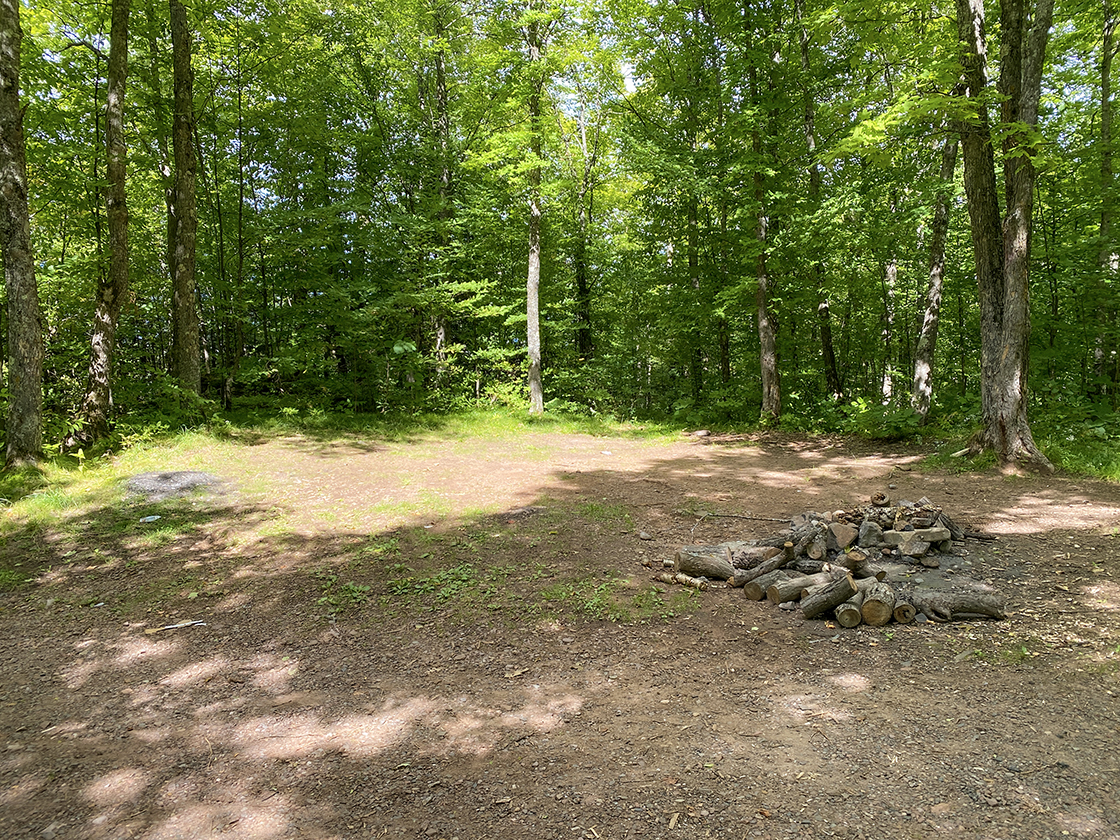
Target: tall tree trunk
(886,334)
(111,287)
(533,282)
(1003,251)
(25,329)
(183,280)
(922,394)
(695,336)
(824,313)
(771,411)
(1108,361)
(584,345)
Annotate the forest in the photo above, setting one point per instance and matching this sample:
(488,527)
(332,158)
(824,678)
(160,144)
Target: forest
(868,218)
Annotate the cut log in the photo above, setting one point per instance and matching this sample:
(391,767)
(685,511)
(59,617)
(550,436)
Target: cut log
(699,583)
(904,611)
(750,556)
(848,613)
(828,597)
(877,608)
(710,561)
(755,590)
(817,548)
(855,561)
(791,589)
(805,566)
(870,572)
(767,566)
(949,606)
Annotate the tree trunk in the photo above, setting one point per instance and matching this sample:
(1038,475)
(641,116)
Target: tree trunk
(1108,365)
(922,394)
(533,282)
(771,411)
(1003,255)
(97,403)
(824,313)
(185,221)
(25,330)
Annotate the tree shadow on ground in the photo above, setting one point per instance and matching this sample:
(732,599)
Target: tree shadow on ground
(433,702)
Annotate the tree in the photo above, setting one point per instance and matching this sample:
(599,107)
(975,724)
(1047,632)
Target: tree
(536,32)
(1001,242)
(112,284)
(922,392)
(25,333)
(185,221)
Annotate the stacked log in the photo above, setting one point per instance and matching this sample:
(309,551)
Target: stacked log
(826,563)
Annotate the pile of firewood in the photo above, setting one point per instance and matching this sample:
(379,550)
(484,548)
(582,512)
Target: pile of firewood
(826,564)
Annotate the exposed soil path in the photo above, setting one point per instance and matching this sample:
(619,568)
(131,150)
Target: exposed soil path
(469,692)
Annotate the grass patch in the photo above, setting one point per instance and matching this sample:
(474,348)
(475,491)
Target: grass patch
(341,599)
(605,512)
(12,579)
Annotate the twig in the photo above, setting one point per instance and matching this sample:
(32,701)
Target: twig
(706,514)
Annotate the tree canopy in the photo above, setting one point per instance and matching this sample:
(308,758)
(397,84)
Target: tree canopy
(735,210)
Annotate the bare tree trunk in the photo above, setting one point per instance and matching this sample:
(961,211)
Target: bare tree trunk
(1108,363)
(1003,256)
(183,280)
(97,403)
(25,329)
(533,282)
(824,312)
(890,286)
(771,410)
(922,394)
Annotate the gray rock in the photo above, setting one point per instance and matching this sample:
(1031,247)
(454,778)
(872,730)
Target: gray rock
(914,548)
(157,486)
(932,535)
(870,534)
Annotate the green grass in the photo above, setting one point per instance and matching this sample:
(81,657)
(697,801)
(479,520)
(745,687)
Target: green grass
(605,512)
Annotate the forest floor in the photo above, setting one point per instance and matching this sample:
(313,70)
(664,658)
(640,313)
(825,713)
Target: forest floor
(455,638)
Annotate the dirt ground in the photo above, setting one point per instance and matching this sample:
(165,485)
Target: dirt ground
(472,692)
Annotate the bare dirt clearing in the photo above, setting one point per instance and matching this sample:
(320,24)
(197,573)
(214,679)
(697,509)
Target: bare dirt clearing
(411,639)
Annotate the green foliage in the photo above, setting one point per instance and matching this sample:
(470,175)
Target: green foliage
(341,599)
(362,238)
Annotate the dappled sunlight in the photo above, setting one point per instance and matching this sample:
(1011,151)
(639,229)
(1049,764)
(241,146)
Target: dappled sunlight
(152,735)
(1103,596)
(22,791)
(476,730)
(1038,513)
(118,787)
(1082,824)
(805,708)
(136,651)
(233,602)
(853,683)
(241,820)
(196,673)
(294,736)
(273,673)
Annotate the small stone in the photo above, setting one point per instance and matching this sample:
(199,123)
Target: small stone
(645,535)
(892,486)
